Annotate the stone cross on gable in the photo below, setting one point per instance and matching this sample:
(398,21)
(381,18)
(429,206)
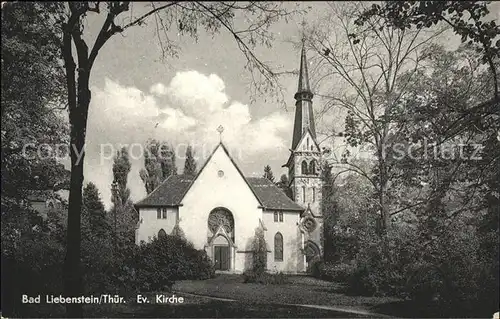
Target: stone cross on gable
(220,129)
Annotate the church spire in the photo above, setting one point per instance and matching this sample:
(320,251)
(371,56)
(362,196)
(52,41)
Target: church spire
(303,74)
(304,117)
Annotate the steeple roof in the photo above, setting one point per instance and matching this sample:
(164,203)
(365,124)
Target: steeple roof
(303,74)
(304,116)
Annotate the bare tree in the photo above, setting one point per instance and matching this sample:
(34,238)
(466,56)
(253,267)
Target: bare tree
(361,67)
(80,57)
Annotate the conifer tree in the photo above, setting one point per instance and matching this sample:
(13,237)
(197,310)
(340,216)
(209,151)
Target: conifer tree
(190,162)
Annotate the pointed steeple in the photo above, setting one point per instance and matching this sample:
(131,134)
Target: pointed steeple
(304,117)
(303,74)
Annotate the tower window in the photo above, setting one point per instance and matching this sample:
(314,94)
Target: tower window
(281,216)
(312,167)
(304,168)
(304,194)
(314,194)
(275,216)
(158,213)
(164,213)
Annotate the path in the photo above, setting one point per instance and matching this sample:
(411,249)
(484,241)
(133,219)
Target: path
(319,307)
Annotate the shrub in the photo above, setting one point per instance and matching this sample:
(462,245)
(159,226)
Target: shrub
(31,264)
(156,265)
(338,272)
(317,268)
(362,282)
(259,248)
(425,284)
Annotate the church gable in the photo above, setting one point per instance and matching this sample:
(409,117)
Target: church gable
(307,143)
(220,178)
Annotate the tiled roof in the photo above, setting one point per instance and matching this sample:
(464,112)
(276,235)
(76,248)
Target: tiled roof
(171,191)
(271,196)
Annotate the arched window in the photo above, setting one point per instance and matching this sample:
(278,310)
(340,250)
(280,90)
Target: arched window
(162,234)
(304,168)
(278,247)
(312,167)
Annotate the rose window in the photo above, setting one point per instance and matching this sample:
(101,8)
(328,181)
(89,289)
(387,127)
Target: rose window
(309,223)
(221,217)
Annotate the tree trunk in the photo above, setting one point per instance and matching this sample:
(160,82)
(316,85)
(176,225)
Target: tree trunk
(78,123)
(73,275)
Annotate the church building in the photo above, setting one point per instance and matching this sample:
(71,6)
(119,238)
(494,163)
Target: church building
(220,209)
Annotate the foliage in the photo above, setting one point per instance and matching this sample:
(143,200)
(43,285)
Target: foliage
(436,204)
(93,211)
(159,163)
(330,210)
(190,162)
(32,265)
(156,265)
(123,214)
(268,173)
(466,18)
(259,248)
(371,65)
(283,184)
(31,113)
(32,92)
(121,169)
(178,232)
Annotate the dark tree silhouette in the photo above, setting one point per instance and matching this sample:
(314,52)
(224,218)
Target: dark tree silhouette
(268,173)
(190,162)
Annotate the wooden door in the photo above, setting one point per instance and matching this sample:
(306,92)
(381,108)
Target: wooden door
(221,254)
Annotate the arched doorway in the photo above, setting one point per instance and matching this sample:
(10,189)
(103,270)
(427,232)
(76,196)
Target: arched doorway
(221,251)
(221,238)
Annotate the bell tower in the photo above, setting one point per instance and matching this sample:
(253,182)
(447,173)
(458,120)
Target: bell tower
(304,165)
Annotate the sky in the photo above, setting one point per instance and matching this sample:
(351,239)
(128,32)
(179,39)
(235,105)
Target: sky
(136,95)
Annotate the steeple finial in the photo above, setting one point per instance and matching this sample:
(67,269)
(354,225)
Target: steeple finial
(303,31)
(220,129)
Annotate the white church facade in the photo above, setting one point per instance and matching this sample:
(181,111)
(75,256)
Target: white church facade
(219,209)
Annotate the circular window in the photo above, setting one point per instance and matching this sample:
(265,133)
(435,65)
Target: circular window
(309,223)
(220,173)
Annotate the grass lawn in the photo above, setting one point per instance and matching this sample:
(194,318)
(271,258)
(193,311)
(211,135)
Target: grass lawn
(255,301)
(299,290)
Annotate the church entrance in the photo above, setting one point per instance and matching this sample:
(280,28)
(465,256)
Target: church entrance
(221,257)
(220,245)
